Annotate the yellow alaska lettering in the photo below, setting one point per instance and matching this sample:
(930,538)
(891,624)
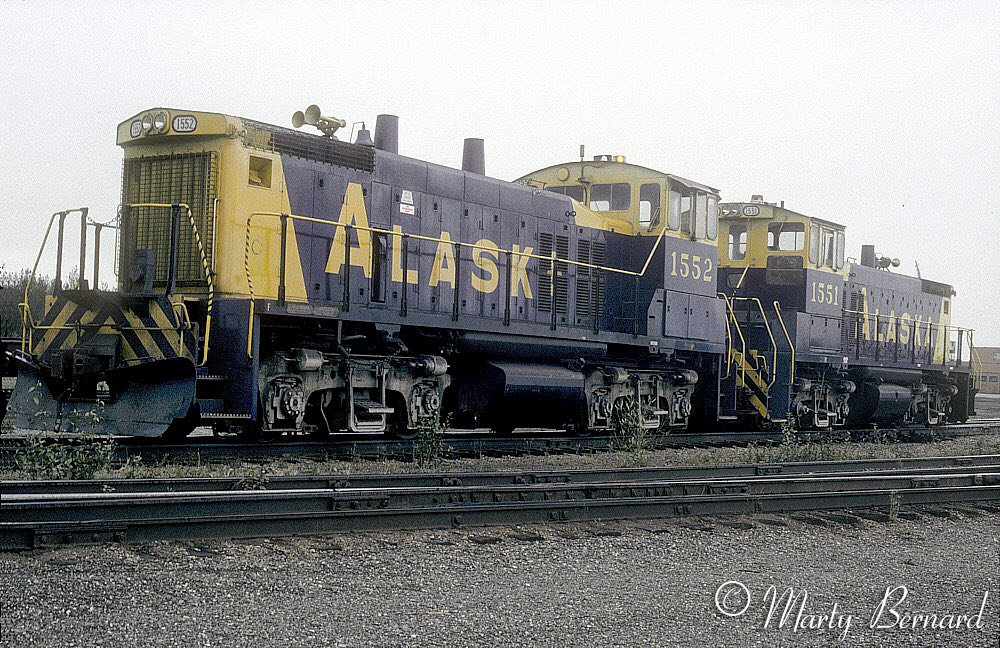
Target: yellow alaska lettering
(904,328)
(890,330)
(397,259)
(352,212)
(443,268)
(519,270)
(481,259)
(866,328)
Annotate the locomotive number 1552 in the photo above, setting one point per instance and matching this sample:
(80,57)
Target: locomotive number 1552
(694,266)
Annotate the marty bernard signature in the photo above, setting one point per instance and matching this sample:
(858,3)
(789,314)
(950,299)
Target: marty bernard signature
(791,609)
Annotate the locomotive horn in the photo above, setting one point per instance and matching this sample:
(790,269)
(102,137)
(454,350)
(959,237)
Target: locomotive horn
(313,115)
(315,118)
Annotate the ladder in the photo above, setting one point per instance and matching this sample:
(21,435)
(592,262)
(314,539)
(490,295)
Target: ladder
(758,376)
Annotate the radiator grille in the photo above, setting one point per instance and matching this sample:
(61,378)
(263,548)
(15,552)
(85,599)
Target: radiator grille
(188,178)
(589,282)
(545,246)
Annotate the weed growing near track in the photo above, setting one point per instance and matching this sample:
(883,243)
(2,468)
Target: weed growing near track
(42,459)
(430,442)
(88,454)
(629,435)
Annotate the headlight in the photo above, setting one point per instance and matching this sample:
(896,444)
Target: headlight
(159,122)
(147,123)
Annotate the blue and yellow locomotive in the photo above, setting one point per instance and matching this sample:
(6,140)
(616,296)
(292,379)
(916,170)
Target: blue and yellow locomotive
(283,281)
(827,341)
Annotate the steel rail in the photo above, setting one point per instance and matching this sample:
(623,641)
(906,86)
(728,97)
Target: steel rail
(367,446)
(117,507)
(516,477)
(368,509)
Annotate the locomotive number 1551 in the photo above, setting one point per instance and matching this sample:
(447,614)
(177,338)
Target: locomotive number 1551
(824,293)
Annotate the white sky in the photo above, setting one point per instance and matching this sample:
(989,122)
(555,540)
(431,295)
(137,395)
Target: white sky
(882,116)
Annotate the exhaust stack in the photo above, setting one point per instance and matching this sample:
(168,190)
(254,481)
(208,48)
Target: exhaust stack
(868,256)
(387,133)
(474,156)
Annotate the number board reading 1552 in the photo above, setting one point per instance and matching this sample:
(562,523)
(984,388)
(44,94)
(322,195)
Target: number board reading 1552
(686,265)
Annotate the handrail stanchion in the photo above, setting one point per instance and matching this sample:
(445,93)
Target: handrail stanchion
(57,284)
(788,338)
(404,298)
(97,255)
(175,234)
(347,268)
(284,254)
(82,272)
(507,288)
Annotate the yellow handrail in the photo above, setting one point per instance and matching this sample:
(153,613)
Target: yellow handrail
(739,284)
(743,342)
(767,327)
(729,337)
(781,320)
(977,366)
(24,307)
(420,237)
(204,265)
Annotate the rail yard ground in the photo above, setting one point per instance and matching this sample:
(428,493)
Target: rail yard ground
(639,582)
(649,582)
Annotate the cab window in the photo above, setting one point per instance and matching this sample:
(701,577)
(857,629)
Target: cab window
(649,205)
(610,197)
(813,244)
(700,216)
(839,251)
(786,237)
(737,242)
(686,213)
(713,217)
(573,191)
(827,247)
(674,221)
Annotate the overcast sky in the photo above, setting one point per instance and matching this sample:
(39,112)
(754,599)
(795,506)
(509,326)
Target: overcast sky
(882,116)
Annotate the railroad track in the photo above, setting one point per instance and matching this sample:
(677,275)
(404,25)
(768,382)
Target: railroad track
(454,445)
(40,514)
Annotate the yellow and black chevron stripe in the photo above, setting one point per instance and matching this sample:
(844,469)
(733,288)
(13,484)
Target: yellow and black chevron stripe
(154,333)
(748,376)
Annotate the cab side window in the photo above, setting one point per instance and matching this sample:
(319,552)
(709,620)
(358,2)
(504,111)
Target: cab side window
(786,237)
(649,205)
(700,216)
(674,221)
(610,197)
(573,191)
(687,212)
(829,252)
(713,217)
(737,242)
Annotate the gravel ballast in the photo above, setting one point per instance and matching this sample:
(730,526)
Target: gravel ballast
(647,582)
